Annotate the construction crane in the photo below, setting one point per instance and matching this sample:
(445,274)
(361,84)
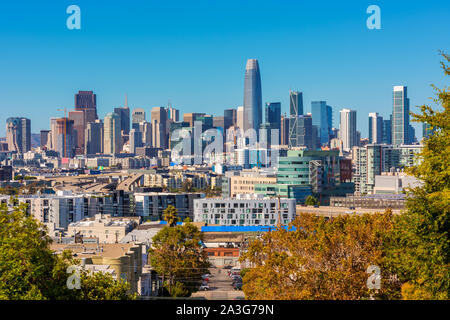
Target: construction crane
(65,130)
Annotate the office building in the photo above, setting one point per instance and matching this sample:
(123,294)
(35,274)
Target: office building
(387,132)
(400,116)
(79,126)
(321,120)
(135,140)
(18,134)
(65,136)
(229,118)
(124,118)
(347,129)
(284,130)
(112,137)
(137,116)
(86,101)
(375,128)
(252,96)
(94,137)
(160,131)
(305,132)
(45,136)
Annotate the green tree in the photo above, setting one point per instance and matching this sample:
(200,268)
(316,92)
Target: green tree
(311,201)
(419,250)
(177,255)
(171,216)
(29,269)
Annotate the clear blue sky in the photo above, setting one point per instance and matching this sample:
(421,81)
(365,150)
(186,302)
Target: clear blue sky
(193,52)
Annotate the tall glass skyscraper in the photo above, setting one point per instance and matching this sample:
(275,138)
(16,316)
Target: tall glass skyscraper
(375,128)
(273,114)
(252,96)
(322,119)
(295,110)
(400,116)
(347,129)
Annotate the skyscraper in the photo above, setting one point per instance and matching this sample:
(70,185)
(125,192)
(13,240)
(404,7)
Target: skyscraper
(66,138)
(112,137)
(284,130)
(240,117)
(135,140)
(273,114)
(375,128)
(387,132)
(86,101)
(295,110)
(347,129)
(18,134)
(252,96)
(79,125)
(400,116)
(229,118)
(159,127)
(305,132)
(94,137)
(124,116)
(137,116)
(321,119)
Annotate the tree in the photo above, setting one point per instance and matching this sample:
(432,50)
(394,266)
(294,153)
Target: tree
(177,255)
(420,247)
(311,201)
(171,216)
(319,259)
(29,269)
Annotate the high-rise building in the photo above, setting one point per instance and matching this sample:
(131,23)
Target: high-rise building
(229,118)
(252,96)
(347,129)
(66,138)
(322,119)
(135,140)
(192,117)
(172,114)
(45,136)
(284,131)
(387,132)
(78,118)
(159,127)
(86,101)
(112,137)
(124,116)
(240,117)
(305,132)
(273,114)
(375,128)
(295,110)
(18,134)
(94,137)
(137,116)
(400,116)
(146,129)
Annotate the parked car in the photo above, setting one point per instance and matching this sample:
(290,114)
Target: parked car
(352,208)
(205,277)
(236,278)
(237,285)
(204,287)
(227,267)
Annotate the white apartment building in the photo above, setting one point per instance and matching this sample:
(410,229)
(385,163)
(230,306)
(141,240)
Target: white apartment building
(244,210)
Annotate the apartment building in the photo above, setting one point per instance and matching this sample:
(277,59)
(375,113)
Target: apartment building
(244,210)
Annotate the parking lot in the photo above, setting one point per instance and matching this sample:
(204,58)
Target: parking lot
(220,286)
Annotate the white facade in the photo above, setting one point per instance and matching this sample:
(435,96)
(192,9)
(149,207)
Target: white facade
(347,129)
(248,210)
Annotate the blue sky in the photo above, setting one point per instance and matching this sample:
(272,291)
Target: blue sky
(193,52)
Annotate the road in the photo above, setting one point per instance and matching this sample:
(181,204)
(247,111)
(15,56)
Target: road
(220,287)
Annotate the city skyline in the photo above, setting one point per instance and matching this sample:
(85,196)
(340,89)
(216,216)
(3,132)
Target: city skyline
(343,73)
